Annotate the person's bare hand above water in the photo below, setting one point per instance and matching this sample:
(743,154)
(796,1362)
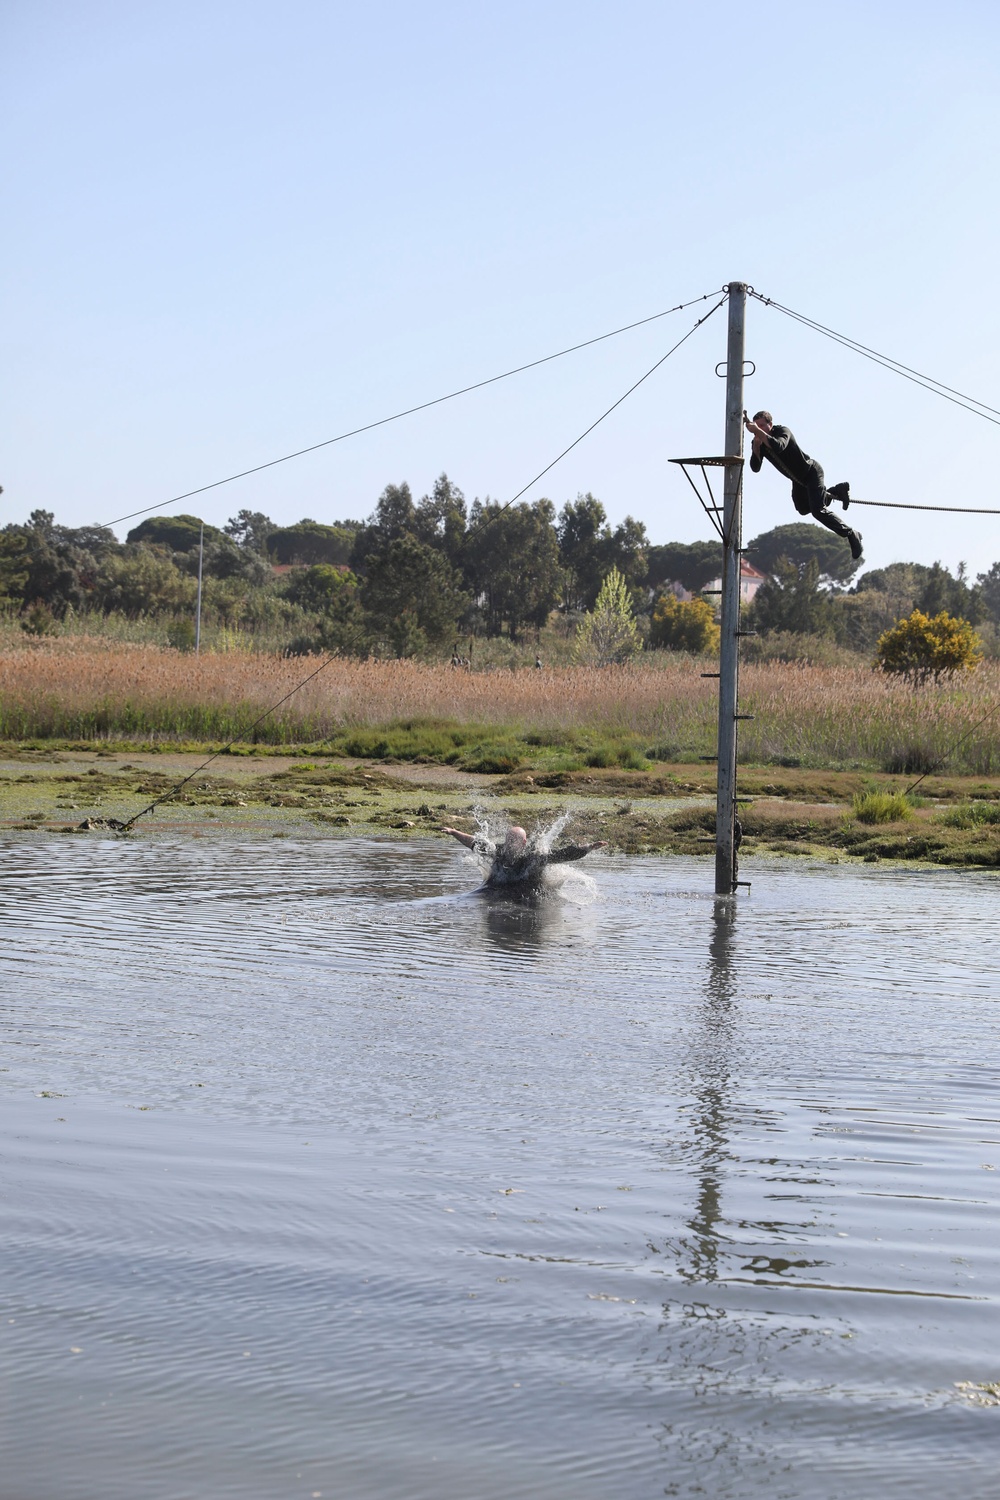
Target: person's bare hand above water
(467,839)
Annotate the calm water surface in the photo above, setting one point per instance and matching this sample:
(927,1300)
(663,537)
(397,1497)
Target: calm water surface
(324,1177)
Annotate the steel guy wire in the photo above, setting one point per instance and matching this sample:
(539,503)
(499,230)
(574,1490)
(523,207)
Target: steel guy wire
(936,387)
(651,371)
(125,827)
(409,412)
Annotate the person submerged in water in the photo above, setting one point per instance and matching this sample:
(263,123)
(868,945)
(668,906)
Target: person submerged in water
(515,862)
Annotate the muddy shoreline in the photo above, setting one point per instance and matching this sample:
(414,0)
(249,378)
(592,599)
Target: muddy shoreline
(255,793)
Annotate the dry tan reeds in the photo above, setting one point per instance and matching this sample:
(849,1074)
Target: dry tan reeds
(836,716)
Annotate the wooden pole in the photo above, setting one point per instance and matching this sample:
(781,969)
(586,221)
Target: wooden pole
(725,806)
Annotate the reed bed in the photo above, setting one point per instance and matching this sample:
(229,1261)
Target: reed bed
(76,688)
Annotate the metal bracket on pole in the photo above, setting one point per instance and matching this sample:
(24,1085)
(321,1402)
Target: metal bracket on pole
(722,369)
(709,506)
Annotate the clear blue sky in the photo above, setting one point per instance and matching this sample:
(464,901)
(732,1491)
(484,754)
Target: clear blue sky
(233,229)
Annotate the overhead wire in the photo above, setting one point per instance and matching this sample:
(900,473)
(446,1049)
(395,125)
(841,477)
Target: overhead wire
(409,412)
(493,515)
(129,824)
(936,387)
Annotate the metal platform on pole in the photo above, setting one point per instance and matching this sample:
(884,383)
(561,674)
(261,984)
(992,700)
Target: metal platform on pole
(711,508)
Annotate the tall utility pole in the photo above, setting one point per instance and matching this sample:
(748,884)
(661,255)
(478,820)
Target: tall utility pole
(729,655)
(201,560)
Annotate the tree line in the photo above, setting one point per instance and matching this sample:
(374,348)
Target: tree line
(419,573)
(408,580)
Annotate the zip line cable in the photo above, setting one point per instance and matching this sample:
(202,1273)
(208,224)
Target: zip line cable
(409,412)
(958,510)
(936,387)
(127,826)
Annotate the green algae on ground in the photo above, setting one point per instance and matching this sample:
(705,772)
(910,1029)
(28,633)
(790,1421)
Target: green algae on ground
(668,808)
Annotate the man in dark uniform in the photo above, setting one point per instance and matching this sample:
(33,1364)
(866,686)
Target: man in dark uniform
(809,493)
(515,860)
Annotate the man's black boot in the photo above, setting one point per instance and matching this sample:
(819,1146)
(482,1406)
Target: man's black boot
(854,538)
(841,492)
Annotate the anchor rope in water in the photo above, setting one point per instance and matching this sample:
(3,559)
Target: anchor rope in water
(120,827)
(127,826)
(977,725)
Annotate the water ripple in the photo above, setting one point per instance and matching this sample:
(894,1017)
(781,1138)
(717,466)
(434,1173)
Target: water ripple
(324,1173)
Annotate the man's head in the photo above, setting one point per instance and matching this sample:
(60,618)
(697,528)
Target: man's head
(516,840)
(764,419)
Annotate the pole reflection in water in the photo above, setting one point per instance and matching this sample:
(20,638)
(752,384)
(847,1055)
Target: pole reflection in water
(365,1184)
(711,1087)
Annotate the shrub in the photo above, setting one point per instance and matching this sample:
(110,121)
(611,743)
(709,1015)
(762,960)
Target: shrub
(181,634)
(491,760)
(303,645)
(796,646)
(922,649)
(881,807)
(38,619)
(631,759)
(684,625)
(972,815)
(627,756)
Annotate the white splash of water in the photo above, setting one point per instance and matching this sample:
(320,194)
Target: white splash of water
(492,827)
(570,884)
(542,839)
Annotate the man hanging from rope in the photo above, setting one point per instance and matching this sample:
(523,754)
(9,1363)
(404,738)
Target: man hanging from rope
(809,493)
